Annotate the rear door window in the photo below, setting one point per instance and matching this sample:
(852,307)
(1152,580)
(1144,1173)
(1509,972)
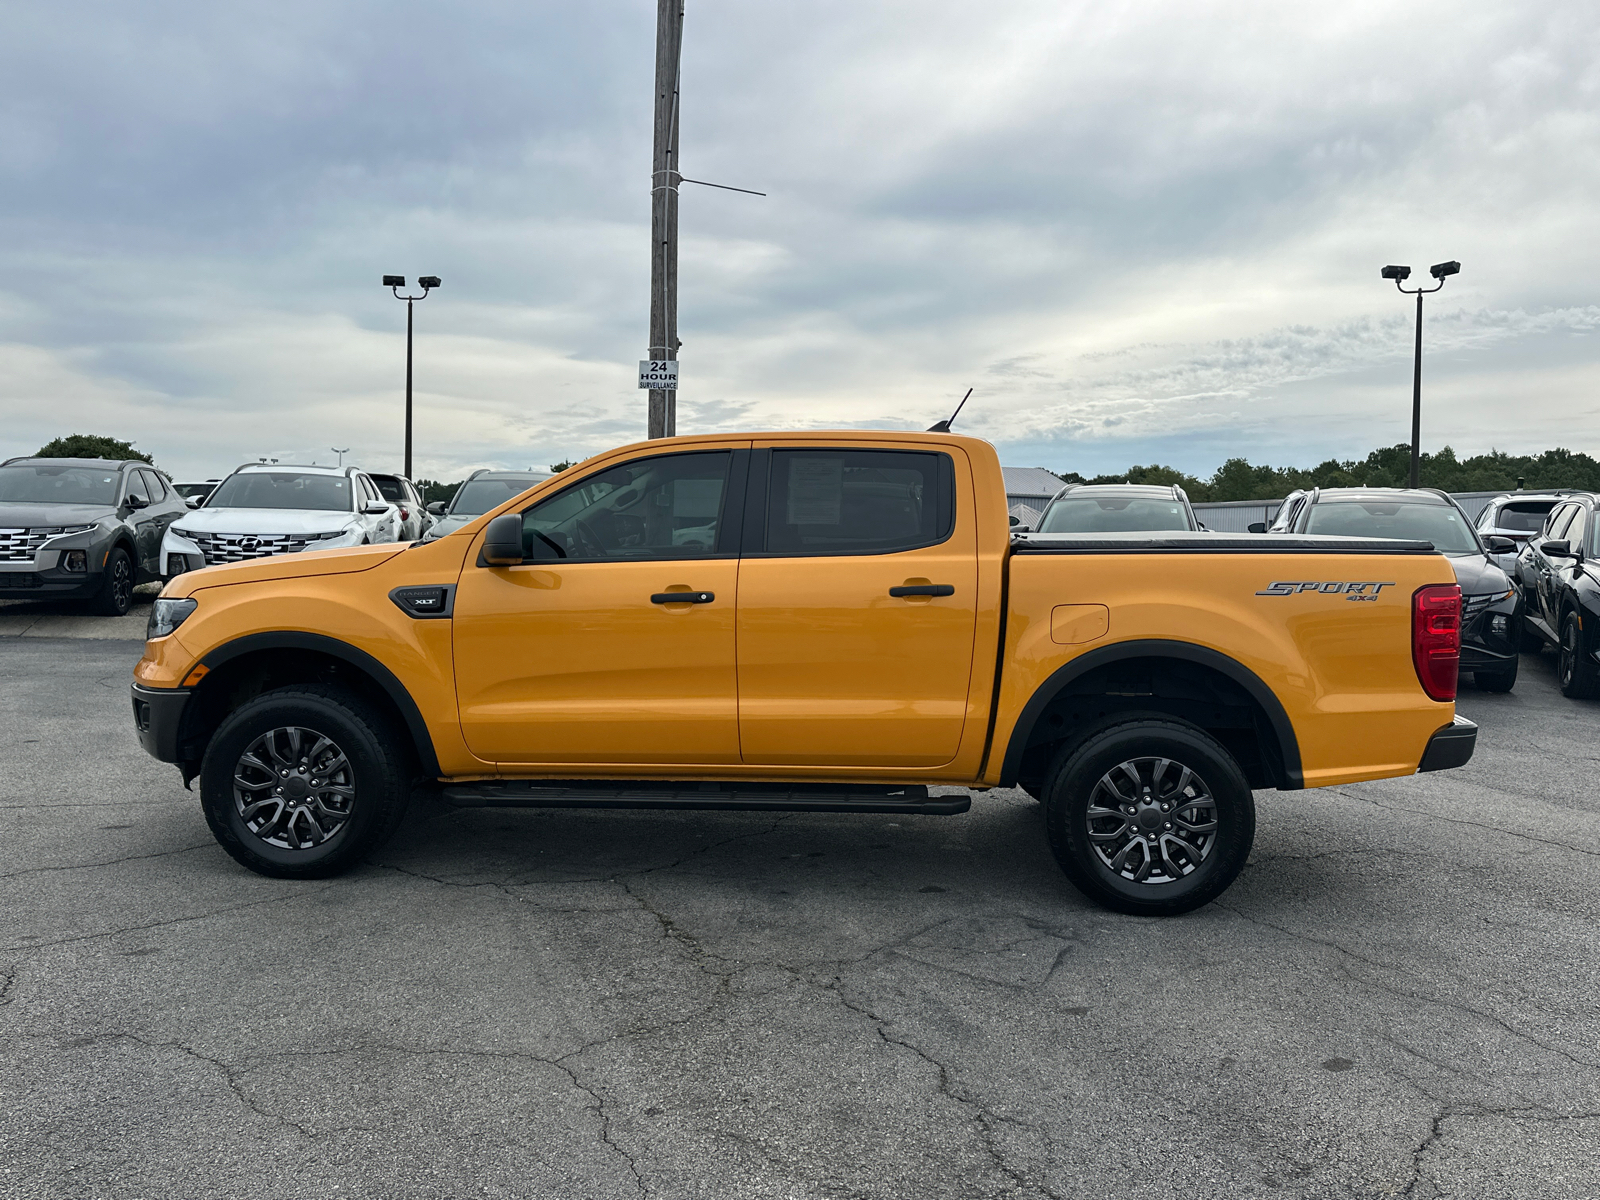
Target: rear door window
(857,501)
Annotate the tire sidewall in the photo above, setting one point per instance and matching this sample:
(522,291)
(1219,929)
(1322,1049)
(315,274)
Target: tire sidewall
(108,602)
(377,781)
(1073,782)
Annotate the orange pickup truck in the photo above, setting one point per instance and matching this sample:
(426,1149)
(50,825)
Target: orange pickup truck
(827,622)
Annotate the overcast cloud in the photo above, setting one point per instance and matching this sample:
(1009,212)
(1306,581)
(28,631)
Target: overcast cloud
(1143,232)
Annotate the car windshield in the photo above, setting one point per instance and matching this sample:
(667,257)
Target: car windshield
(1523,518)
(190,490)
(1408,520)
(477,496)
(39,483)
(282,489)
(389,487)
(1113,514)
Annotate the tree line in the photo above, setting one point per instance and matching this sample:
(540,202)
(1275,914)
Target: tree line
(1389,466)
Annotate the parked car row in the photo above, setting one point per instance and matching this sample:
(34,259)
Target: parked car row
(1524,583)
(94,529)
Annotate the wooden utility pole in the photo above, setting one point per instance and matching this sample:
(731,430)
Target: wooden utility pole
(664,179)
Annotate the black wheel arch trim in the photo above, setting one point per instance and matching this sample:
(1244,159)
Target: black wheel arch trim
(358,658)
(1283,729)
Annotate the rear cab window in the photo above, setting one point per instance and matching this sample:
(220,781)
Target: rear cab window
(838,501)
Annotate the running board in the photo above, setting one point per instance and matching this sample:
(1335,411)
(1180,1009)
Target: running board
(912,799)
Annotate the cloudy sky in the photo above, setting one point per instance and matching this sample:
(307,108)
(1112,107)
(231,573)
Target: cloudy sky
(1142,231)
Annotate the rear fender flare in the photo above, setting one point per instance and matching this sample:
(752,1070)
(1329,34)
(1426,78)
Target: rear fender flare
(1059,680)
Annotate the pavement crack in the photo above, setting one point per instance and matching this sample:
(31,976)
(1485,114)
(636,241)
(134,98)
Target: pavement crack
(205,916)
(982,1116)
(110,862)
(1404,993)
(1434,816)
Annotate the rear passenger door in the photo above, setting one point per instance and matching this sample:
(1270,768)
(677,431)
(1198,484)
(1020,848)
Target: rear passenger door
(857,606)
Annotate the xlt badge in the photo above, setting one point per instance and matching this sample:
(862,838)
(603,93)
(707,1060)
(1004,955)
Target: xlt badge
(1350,591)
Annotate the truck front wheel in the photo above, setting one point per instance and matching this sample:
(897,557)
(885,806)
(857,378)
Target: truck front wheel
(300,782)
(1151,817)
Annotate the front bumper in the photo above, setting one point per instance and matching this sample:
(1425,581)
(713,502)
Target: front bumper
(157,717)
(46,576)
(1451,746)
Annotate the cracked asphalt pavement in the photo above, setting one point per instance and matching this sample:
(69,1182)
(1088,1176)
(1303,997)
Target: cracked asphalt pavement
(1400,996)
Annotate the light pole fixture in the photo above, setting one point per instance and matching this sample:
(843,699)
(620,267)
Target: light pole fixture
(395,282)
(340,453)
(1440,271)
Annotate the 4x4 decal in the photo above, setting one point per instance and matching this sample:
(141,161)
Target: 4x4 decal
(1350,591)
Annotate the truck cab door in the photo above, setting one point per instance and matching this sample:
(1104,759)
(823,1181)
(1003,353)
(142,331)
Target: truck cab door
(857,606)
(612,644)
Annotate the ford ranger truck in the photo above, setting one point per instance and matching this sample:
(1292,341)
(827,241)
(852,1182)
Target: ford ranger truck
(825,622)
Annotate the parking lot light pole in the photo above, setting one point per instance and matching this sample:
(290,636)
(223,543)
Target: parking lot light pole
(1400,274)
(395,282)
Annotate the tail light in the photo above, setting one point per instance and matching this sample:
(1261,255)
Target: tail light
(1436,638)
(404,515)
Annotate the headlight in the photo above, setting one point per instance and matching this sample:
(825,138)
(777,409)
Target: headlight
(329,536)
(183,533)
(167,615)
(55,531)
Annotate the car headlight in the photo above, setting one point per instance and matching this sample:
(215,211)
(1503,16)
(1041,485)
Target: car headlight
(56,531)
(183,533)
(167,615)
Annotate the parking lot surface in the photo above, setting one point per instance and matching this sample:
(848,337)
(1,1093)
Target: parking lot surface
(1399,997)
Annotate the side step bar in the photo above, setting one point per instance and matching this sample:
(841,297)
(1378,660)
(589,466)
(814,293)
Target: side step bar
(780,797)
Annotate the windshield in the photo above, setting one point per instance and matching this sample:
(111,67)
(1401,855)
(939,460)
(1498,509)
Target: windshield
(37,483)
(1523,518)
(1408,520)
(1112,514)
(478,496)
(282,489)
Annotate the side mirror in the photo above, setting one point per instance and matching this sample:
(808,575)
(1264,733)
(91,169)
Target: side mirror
(1014,519)
(192,501)
(1256,527)
(1500,544)
(1559,549)
(502,542)
(137,502)
(437,508)
(374,508)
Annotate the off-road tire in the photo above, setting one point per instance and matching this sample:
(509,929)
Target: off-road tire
(1080,769)
(379,776)
(115,596)
(1575,671)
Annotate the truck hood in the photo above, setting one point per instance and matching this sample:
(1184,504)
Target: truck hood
(32,516)
(285,566)
(264,520)
(1478,576)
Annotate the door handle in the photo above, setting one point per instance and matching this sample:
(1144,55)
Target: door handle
(683,598)
(923,589)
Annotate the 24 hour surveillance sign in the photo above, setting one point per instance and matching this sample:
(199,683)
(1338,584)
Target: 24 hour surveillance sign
(659,375)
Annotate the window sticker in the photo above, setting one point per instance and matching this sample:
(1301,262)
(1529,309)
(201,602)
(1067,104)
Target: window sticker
(816,490)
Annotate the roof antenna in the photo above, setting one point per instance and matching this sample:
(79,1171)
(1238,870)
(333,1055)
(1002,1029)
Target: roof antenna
(944,426)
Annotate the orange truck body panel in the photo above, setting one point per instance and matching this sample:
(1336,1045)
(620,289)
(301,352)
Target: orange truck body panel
(806,668)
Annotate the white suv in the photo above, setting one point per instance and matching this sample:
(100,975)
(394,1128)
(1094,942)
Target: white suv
(261,510)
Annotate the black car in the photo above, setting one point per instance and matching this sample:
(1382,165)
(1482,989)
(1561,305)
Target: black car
(1561,591)
(1116,508)
(82,529)
(1518,516)
(1491,608)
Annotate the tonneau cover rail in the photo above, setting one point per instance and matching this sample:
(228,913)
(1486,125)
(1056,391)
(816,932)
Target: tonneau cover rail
(1209,543)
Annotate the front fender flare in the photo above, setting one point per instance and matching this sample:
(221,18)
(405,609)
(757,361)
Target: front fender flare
(358,658)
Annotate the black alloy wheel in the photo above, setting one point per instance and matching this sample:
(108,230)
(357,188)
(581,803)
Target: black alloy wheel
(300,782)
(1575,670)
(1151,817)
(115,597)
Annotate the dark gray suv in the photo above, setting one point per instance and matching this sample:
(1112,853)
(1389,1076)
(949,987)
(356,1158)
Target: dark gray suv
(82,529)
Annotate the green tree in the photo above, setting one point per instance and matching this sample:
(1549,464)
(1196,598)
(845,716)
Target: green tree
(557,468)
(90,445)
(432,490)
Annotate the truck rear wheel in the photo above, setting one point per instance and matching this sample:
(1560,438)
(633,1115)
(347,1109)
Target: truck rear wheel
(1151,817)
(300,782)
